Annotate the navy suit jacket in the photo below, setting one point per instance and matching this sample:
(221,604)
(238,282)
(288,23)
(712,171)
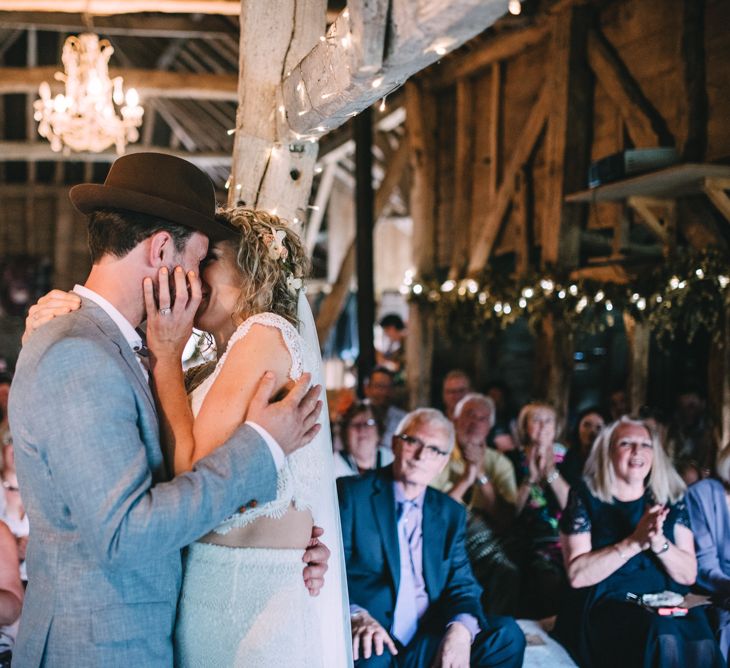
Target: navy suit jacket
(369,532)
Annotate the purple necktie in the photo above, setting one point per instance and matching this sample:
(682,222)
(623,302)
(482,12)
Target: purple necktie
(405,616)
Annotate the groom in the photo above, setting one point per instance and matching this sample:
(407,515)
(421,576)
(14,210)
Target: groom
(108,520)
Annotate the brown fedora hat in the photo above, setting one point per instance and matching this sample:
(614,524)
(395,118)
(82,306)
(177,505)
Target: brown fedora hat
(158,185)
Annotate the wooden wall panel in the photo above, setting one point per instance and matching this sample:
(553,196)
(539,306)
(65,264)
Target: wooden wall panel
(14,233)
(483,162)
(717,62)
(647,37)
(446,226)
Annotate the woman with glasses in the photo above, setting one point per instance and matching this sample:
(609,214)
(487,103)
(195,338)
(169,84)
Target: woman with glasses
(359,432)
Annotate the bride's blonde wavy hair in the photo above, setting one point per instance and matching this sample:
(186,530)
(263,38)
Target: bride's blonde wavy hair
(265,279)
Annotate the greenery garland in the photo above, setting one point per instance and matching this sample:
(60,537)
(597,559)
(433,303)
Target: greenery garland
(686,294)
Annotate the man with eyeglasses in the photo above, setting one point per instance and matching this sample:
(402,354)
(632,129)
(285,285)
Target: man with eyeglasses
(414,599)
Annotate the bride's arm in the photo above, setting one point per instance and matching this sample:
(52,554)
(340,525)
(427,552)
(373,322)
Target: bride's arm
(226,404)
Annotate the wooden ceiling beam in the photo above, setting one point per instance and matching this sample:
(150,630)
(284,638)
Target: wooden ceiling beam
(149,83)
(110,7)
(500,47)
(343,74)
(11,151)
(125,26)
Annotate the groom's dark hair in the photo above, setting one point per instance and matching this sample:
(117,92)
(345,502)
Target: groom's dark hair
(116,232)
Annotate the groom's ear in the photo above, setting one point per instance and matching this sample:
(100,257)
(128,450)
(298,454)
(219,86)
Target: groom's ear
(160,250)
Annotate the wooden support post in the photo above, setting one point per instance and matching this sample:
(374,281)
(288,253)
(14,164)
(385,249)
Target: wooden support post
(568,138)
(482,247)
(464,157)
(335,300)
(363,131)
(554,370)
(320,205)
(693,59)
(421,112)
(495,128)
(638,335)
(621,233)
(522,216)
(718,381)
(272,169)
(567,154)
(63,244)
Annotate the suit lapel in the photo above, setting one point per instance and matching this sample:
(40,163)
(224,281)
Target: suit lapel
(434,539)
(111,331)
(383,502)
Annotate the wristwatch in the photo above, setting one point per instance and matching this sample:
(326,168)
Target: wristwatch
(663,548)
(483,479)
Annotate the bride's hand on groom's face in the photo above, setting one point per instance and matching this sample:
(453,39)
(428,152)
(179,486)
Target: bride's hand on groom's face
(170,321)
(292,422)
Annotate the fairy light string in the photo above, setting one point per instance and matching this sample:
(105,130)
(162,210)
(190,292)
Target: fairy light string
(690,293)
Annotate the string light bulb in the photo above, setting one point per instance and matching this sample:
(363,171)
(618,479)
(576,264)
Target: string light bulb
(514,7)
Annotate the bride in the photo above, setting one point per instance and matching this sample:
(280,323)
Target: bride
(243,601)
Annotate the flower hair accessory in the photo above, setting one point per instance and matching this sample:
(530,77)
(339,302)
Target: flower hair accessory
(274,242)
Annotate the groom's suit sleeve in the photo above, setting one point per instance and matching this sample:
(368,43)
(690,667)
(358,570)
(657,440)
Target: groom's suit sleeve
(87,433)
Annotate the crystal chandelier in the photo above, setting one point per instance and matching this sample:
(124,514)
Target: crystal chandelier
(95,112)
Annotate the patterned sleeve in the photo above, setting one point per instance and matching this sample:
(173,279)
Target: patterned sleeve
(680,513)
(575,517)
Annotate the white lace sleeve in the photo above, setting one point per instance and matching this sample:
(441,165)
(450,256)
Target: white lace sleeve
(292,340)
(300,476)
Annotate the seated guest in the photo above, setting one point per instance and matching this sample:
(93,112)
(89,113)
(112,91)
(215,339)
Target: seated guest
(483,479)
(11,594)
(360,452)
(689,440)
(455,386)
(587,427)
(414,600)
(392,353)
(476,475)
(379,390)
(708,503)
(534,543)
(13,511)
(501,436)
(626,532)
(618,403)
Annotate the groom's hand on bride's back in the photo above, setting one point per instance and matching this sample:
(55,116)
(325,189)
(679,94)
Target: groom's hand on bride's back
(292,421)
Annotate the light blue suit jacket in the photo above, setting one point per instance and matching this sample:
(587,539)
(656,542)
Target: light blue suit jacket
(107,521)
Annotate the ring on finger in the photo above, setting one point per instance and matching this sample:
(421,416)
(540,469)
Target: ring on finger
(165,311)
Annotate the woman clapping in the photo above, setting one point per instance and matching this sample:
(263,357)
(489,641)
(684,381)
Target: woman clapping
(624,532)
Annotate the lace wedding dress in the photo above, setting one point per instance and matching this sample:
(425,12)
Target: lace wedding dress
(242,607)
